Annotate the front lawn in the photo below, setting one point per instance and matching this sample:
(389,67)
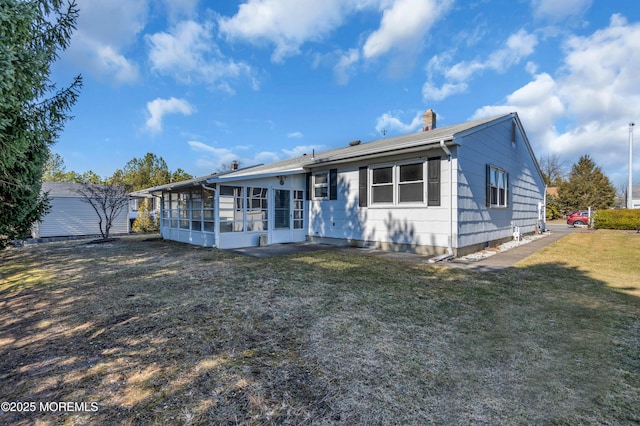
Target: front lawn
(155,332)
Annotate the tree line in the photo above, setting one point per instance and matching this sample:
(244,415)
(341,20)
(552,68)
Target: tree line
(137,174)
(583,186)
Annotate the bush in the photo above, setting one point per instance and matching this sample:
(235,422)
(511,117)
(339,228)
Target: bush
(554,207)
(144,222)
(617,219)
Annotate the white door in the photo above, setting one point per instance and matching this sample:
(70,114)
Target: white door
(281,223)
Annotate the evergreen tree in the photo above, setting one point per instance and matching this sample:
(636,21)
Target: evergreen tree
(587,187)
(146,172)
(144,221)
(32,110)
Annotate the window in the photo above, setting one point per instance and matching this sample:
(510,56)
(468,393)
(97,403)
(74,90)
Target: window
(196,210)
(174,209)
(207,211)
(497,187)
(298,210)
(183,206)
(257,209)
(166,210)
(382,185)
(231,209)
(325,185)
(411,183)
(396,184)
(321,185)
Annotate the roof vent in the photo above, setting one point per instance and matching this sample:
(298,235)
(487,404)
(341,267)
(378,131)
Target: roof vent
(354,143)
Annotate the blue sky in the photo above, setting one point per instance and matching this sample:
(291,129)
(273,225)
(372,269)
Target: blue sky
(204,83)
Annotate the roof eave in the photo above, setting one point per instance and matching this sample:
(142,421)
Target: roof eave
(410,148)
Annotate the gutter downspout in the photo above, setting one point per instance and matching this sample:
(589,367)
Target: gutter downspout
(449,253)
(448,152)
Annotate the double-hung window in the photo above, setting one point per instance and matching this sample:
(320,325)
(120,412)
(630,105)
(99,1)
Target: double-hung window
(497,187)
(382,185)
(323,185)
(398,184)
(411,183)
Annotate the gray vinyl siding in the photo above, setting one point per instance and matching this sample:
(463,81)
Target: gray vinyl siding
(492,145)
(420,228)
(69,216)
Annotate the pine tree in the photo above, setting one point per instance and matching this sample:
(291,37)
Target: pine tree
(587,187)
(32,110)
(146,172)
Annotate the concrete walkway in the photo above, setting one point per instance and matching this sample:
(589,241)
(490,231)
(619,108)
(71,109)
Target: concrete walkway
(508,258)
(495,263)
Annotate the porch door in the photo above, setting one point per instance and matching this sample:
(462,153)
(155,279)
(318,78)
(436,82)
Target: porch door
(281,232)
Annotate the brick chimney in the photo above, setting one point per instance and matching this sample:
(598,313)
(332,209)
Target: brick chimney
(428,120)
(234,165)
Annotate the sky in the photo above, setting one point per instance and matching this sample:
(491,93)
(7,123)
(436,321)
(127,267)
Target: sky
(202,84)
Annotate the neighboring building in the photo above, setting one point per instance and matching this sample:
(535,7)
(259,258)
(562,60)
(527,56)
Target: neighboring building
(70,216)
(449,190)
(635,196)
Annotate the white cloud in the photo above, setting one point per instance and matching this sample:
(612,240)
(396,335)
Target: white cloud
(214,159)
(189,54)
(517,47)
(182,9)
(295,135)
(344,68)
(158,108)
(537,104)
(430,92)
(112,63)
(105,30)
(300,150)
(287,24)
(391,123)
(404,24)
(585,109)
(556,11)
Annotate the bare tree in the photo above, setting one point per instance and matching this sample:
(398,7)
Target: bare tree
(107,201)
(553,169)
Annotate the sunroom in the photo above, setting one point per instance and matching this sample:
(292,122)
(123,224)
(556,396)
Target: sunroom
(231,213)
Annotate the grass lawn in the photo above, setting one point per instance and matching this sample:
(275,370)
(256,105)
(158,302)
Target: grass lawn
(155,332)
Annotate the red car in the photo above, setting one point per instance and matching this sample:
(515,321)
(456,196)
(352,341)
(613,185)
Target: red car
(581,217)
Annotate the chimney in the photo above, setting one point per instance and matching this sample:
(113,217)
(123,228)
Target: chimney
(234,165)
(428,120)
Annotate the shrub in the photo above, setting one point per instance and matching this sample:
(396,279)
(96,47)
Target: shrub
(144,222)
(554,207)
(617,219)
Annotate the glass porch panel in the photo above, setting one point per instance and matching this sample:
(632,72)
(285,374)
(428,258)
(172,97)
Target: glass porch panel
(282,208)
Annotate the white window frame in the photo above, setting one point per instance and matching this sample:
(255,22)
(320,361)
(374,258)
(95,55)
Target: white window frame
(321,185)
(232,208)
(396,184)
(257,215)
(499,188)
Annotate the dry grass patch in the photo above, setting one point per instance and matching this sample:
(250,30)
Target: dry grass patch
(605,256)
(157,332)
